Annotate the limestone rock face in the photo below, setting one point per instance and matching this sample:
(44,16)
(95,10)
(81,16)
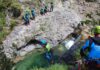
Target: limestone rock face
(53,26)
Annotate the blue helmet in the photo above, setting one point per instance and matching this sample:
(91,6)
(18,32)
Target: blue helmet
(43,41)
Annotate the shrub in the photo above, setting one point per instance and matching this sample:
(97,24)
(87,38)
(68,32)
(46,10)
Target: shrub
(97,13)
(58,67)
(53,67)
(13,24)
(3,34)
(5,63)
(89,15)
(1,28)
(85,22)
(16,9)
(4,4)
(2,18)
(92,22)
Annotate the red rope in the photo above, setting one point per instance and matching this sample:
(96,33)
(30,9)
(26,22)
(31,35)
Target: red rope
(79,66)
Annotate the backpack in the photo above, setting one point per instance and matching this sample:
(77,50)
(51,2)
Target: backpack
(93,48)
(90,42)
(88,49)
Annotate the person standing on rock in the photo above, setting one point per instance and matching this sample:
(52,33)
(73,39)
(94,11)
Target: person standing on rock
(48,51)
(33,13)
(27,15)
(90,52)
(51,7)
(45,9)
(42,11)
(26,18)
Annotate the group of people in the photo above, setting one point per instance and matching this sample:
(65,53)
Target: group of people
(27,15)
(31,14)
(90,52)
(46,8)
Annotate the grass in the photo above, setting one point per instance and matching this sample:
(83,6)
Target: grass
(53,67)
(3,35)
(36,61)
(13,24)
(3,31)
(2,18)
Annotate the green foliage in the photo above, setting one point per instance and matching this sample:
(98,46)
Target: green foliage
(58,67)
(13,4)
(37,61)
(16,9)
(2,24)
(89,15)
(13,24)
(2,18)
(4,4)
(85,22)
(16,5)
(98,13)
(3,31)
(3,34)
(5,64)
(92,22)
(53,67)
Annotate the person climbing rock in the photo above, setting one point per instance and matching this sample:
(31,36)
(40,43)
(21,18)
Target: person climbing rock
(42,11)
(49,54)
(48,51)
(26,17)
(45,9)
(51,7)
(33,13)
(91,51)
